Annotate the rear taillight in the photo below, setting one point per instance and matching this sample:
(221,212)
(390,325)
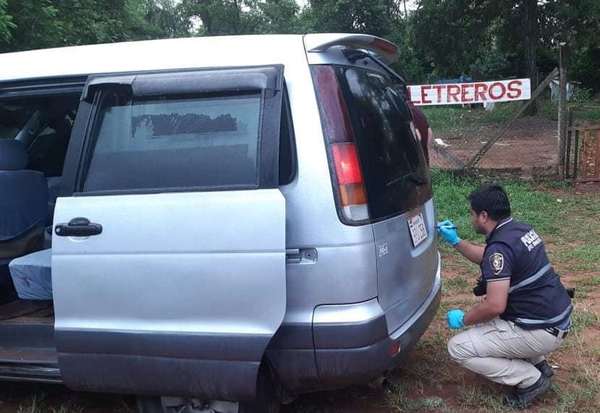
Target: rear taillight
(346,168)
(351,186)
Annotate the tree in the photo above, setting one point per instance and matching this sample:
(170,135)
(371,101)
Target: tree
(220,17)
(32,25)
(576,23)
(378,17)
(454,35)
(165,18)
(279,16)
(52,23)
(6,24)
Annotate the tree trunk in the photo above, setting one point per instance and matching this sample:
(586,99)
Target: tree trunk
(530,10)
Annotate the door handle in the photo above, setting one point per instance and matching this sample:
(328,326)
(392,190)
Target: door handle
(78,227)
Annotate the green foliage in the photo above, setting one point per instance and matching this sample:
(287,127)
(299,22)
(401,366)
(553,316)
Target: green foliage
(6,23)
(33,24)
(485,39)
(221,17)
(376,17)
(164,18)
(45,23)
(466,27)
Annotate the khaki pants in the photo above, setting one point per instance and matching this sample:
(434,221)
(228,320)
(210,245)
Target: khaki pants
(503,352)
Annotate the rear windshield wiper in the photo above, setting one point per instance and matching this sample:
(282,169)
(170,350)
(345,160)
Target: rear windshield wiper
(413,177)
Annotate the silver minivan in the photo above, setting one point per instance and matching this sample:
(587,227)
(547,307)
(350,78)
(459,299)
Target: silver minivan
(232,218)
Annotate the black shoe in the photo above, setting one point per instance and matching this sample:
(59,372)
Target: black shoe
(522,398)
(545,368)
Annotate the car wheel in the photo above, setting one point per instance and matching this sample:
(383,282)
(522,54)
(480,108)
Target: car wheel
(267,399)
(150,405)
(178,405)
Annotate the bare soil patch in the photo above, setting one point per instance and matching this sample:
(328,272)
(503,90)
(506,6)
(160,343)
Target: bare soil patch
(530,144)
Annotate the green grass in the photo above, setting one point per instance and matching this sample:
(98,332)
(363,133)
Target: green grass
(455,284)
(583,318)
(540,209)
(398,398)
(591,282)
(478,398)
(445,118)
(584,257)
(455,118)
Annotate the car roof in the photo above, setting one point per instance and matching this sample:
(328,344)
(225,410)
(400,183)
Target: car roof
(184,53)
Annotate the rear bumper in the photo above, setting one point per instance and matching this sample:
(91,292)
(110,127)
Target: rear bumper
(346,344)
(357,350)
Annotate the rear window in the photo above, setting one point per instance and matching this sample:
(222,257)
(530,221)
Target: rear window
(394,167)
(208,141)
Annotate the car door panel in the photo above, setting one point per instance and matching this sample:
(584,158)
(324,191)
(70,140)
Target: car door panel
(181,291)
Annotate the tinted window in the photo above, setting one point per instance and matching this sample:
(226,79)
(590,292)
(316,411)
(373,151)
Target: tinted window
(13,116)
(44,125)
(394,167)
(175,143)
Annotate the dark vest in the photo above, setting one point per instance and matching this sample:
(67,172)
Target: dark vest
(536,299)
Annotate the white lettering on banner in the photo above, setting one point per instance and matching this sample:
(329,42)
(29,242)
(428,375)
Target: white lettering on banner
(477,92)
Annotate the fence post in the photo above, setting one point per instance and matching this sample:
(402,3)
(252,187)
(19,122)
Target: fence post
(562,111)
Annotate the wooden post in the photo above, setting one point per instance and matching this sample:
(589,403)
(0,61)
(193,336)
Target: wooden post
(562,111)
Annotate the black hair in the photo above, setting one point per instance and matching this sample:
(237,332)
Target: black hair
(491,198)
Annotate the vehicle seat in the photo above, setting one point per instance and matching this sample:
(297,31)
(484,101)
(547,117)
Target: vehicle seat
(23,210)
(32,276)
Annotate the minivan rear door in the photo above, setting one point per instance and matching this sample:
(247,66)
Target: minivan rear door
(169,259)
(398,186)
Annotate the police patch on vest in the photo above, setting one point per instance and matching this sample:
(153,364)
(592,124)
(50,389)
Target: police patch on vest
(497,261)
(531,240)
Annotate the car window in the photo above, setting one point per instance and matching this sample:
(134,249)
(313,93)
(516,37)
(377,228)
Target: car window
(13,116)
(44,125)
(206,142)
(396,174)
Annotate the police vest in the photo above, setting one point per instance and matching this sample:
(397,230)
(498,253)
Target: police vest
(536,297)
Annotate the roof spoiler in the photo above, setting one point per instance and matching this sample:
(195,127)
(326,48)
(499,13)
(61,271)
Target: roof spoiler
(387,50)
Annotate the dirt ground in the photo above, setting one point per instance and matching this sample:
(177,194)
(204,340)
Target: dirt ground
(529,143)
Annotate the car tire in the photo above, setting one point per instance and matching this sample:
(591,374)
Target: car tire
(150,405)
(267,399)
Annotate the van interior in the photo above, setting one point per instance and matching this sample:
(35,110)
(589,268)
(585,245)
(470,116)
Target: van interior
(34,135)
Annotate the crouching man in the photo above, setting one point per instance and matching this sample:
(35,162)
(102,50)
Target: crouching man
(525,313)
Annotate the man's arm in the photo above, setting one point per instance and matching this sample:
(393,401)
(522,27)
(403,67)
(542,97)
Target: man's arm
(492,306)
(470,251)
(447,230)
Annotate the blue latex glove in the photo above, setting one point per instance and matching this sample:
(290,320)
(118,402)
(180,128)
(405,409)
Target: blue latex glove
(447,230)
(455,319)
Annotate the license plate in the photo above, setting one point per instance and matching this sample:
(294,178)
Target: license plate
(418,231)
